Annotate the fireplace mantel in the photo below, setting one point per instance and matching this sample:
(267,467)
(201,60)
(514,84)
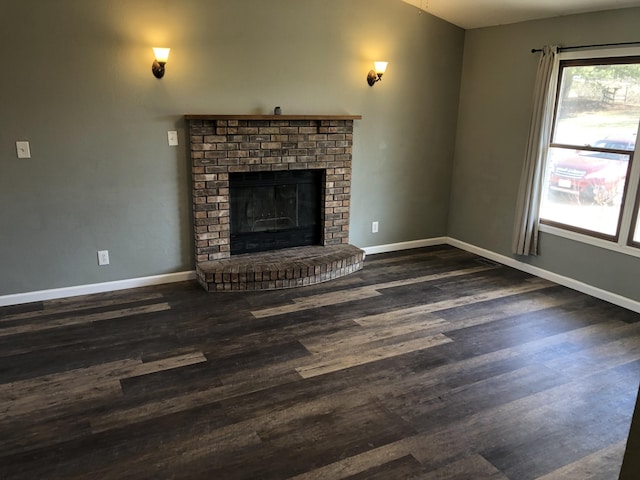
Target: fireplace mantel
(222,145)
(271,117)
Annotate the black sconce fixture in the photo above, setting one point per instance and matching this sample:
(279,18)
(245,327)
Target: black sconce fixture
(162,55)
(376,75)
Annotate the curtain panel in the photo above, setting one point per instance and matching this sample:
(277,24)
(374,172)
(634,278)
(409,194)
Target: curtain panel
(525,234)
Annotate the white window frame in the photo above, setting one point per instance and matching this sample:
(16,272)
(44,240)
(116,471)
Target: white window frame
(634,175)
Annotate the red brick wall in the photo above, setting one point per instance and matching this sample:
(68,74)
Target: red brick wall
(221,146)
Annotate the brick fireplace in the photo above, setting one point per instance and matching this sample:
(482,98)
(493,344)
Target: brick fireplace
(224,144)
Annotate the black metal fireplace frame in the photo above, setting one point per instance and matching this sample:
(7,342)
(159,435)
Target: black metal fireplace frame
(281,236)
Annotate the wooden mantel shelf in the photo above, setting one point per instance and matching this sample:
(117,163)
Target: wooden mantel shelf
(272,117)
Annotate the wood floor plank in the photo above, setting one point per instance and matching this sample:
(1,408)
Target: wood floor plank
(258,379)
(83,319)
(432,381)
(27,434)
(356,464)
(456,302)
(460,469)
(515,427)
(122,417)
(338,430)
(275,398)
(358,293)
(402,468)
(505,307)
(165,364)
(49,394)
(60,381)
(56,307)
(432,363)
(158,446)
(607,355)
(416,319)
(602,464)
(344,341)
(51,403)
(92,351)
(330,362)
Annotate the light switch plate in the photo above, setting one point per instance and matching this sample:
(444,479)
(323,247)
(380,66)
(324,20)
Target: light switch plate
(23,149)
(172,135)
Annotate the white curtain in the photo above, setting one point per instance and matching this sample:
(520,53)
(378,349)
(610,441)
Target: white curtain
(525,234)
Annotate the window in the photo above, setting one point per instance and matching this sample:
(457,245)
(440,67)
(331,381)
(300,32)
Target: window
(591,182)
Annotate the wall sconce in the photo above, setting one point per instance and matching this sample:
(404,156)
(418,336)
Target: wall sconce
(376,75)
(162,55)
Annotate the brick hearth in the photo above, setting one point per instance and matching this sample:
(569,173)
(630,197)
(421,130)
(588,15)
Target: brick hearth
(223,144)
(291,267)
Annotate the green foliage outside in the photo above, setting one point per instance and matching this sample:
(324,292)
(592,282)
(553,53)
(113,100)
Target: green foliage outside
(597,101)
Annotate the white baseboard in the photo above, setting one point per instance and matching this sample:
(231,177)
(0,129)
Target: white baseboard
(605,295)
(394,247)
(52,294)
(547,275)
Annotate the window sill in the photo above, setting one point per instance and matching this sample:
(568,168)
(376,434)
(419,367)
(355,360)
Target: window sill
(596,242)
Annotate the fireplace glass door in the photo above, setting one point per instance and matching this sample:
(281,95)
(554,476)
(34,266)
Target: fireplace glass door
(274,210)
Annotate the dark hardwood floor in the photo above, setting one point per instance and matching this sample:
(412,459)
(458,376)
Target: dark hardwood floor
(429,363)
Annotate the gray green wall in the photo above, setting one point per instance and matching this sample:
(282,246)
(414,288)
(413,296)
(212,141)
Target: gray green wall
(77,84)
(495,107)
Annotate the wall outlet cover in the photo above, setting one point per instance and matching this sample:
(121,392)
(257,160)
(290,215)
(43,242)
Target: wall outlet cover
(103,257)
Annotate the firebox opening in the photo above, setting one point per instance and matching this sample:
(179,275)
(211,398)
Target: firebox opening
(273,210)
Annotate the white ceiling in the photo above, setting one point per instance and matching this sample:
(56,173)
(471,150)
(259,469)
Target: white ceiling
(484,13)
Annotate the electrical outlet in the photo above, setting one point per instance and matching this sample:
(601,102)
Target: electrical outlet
(103,257)
(172,136)
(374,227)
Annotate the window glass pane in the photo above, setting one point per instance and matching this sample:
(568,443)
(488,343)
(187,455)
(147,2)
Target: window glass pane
(584,189)
(636,235)
(599,103)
